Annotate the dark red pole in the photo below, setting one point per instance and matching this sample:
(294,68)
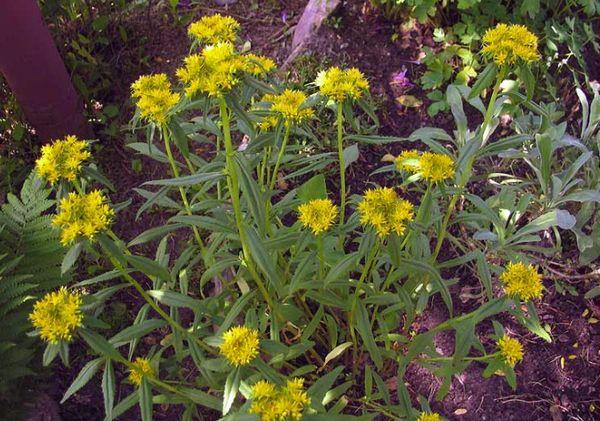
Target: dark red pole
(36,73)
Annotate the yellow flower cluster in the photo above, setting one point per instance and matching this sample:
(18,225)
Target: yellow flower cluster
(337,84)
(217,69)
(273,403)
(154,97)
(433,167)
(82,215)
(141,368)
(511,350)
(62,159)
(522,281)
(429,416)
(240,345)
(214,29)
(289,105)
(57,315)
(318,215)
(258,65)
(509,44)
(382,209)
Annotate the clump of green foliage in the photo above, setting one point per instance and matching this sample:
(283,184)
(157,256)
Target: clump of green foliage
(286,297)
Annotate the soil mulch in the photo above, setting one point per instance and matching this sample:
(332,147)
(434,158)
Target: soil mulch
(556,381)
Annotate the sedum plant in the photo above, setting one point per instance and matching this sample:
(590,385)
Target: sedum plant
(298,304)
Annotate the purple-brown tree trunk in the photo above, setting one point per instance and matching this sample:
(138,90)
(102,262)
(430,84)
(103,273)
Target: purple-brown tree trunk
(36,73)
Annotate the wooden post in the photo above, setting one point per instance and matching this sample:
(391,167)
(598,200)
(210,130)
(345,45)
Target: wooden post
(36,73)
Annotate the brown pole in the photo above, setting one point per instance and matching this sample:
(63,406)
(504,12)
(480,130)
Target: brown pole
(36,73)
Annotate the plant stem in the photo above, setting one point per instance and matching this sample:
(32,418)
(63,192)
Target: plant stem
(182,192)
(321,258)
(491,104)
(153,304)
(234,192)
(361,280)
(340,145)
(466,174)
(284,142)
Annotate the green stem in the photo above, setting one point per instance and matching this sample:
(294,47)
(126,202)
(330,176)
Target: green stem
(321,258)
(284,142)
(490,109)
(152,303)
(351,316)
(234,192)
(182,192)
(340,145)
(466,174)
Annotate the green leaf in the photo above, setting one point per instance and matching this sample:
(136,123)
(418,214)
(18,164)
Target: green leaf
(85,375)
(186,180)
(124,406)
(314,188)
(234,311)
(50,354)
(175,299)
(373,139)
(232,385)
(363,325)
(485,79)
(179,137)
(263,260)
(146,400)
(205,222)
(71,257)
(342,268)
(320,388)
(154,233)
(350,155)
(149,267)
(136,331)
(100,345)
(108,388)
(336,352)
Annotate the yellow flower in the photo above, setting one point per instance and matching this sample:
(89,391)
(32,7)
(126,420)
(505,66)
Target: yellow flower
(214,29)
(264,394)
(511,350)
(521,281)
(240,345)
(289,104)
(436,167)
(337,84)
(291,400)
(62,159)
(141,368)
(154,97)
(408,155)
(258,65)
(382,209)
(213,72)
(429,416)
(82,215)
(283,403)
(318,215)
(57,315)
(508,44)
(268,122)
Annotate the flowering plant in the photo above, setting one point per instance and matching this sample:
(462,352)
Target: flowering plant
(281,304)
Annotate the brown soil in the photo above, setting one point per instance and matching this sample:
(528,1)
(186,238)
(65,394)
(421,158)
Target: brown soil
(552,384)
